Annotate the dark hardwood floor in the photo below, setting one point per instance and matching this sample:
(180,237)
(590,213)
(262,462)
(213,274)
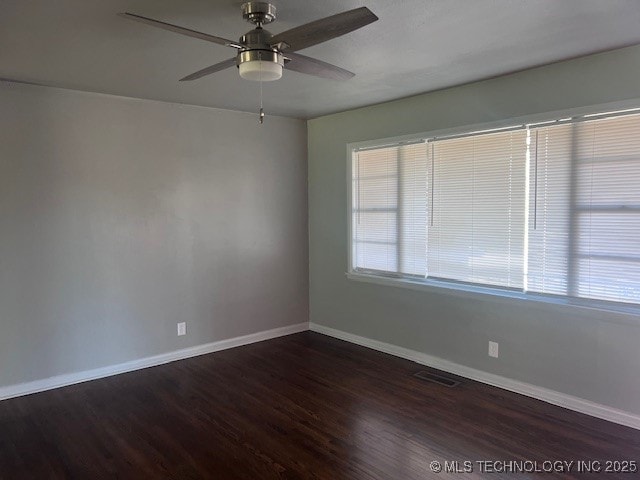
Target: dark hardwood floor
(302,406)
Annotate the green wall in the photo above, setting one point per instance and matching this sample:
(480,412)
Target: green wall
(590,354)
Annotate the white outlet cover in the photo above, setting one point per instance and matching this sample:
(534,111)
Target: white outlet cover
(182,328)
(493,349)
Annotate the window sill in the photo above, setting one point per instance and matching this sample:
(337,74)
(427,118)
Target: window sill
(620,313)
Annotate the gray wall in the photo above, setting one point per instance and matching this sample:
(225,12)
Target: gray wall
(590,354)
(121,217)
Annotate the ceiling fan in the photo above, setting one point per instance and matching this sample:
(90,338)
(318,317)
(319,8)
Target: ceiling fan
(261,56)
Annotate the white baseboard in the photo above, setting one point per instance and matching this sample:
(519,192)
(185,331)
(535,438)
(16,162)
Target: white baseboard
(550,396)
(79,377)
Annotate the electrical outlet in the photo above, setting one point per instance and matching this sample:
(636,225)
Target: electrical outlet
(493,349)
(182,328)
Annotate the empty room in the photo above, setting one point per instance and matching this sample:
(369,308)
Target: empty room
(319,240)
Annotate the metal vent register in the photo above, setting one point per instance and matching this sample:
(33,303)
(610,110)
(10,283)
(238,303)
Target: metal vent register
(436,378)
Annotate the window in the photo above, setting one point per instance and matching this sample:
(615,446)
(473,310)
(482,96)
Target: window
(389,212)
(477,209)
(585,241)
(550,208)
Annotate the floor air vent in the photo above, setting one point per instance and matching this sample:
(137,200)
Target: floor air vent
(435,378)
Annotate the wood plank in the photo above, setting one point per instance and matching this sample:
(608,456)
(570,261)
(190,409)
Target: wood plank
(301,406)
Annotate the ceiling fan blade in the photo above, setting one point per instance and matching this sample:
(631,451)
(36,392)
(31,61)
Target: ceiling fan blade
(324,29)
(181,30)
(311,66)
(209,70)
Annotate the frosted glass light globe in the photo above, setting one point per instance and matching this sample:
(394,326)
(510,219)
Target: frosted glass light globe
(259,70)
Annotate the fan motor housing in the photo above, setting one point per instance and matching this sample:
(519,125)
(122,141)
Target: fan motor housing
(256,38)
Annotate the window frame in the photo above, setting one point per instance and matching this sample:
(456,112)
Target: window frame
(625,312)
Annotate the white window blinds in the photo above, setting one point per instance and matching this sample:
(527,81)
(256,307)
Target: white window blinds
(588,229)
(389,209)
(549,200)
(476,223)
(551,208)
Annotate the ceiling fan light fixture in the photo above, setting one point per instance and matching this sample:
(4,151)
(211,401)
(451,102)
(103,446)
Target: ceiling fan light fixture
(260,56)
(259,70)
(260,65)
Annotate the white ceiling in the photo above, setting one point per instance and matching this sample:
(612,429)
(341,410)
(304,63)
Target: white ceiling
(416,46)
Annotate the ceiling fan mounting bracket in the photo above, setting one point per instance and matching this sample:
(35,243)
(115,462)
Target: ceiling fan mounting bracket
(259,13)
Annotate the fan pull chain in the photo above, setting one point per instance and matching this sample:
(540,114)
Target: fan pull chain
(261,117)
